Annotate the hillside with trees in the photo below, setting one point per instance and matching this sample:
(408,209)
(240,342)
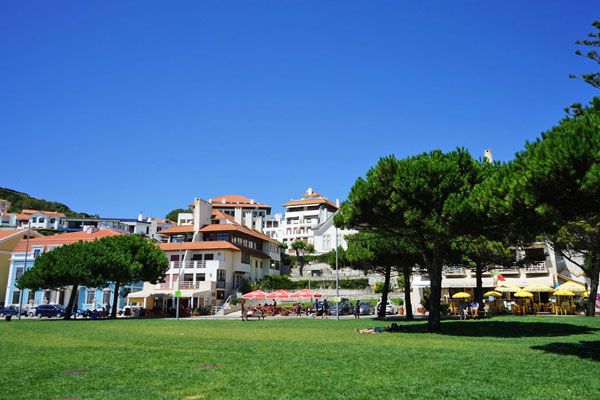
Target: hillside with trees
(20,201)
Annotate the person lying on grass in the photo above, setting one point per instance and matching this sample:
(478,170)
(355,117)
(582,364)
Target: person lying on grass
(378,329)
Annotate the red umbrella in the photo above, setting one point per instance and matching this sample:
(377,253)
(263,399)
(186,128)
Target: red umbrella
(257,294)
(304,293)
(280,294)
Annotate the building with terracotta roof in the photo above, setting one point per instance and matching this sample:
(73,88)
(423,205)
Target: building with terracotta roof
(9,239)
(23,257)
(39,219)
(210,256)
(303,215)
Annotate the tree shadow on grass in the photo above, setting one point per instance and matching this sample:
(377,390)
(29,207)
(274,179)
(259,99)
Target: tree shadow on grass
(587,350)
(503,329)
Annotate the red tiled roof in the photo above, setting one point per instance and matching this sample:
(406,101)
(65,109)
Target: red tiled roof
(234,227)
(23,216)
(216,245)
(216,214)
(235,200)
(308,202)
(65,238)
(48,213)
(173,230)
(6,233)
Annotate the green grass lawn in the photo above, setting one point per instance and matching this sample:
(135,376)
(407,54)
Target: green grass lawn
(499,358)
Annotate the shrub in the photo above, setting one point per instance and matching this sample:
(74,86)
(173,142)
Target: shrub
(378,287)
(234,301)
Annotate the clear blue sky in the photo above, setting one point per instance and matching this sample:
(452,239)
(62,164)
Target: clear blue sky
(117,107)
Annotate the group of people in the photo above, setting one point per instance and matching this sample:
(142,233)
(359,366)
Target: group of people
(469,310)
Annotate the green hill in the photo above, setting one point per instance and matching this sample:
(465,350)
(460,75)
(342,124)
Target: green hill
(20,201)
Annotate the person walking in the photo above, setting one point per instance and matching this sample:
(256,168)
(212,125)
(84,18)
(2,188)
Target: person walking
(357,309)
(244,312)
(325,309)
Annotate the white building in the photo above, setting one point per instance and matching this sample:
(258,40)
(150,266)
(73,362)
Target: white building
(210,257)
(41,219)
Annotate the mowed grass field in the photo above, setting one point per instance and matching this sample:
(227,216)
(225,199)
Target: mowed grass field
(499,358)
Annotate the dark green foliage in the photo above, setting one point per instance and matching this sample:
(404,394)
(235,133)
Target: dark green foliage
(592,43)
(20,201)
(172,216)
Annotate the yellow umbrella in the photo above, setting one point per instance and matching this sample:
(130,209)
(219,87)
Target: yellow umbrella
(586,294)
(538,287)
(461,295)
(572,287)
(492,293)
(564,292)
(507,289)
(523,293)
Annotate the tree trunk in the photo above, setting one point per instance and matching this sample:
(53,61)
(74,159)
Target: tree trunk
(300,263)
(113,309)
(435,278)
(384,293)
(595,271)
(69,309)
(479,285)
(407,301)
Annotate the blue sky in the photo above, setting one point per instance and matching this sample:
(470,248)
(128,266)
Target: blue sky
(117,107)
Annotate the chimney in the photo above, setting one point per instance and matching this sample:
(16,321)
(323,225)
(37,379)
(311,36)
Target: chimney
(258,224)
(309,191)
(237,215)
(487,155)
(248,219)
(140,216)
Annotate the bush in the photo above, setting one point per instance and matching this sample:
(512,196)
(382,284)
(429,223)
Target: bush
(234,301)
(378,287)
(444,308)
(202,310)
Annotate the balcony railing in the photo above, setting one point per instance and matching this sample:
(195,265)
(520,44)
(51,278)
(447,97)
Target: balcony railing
(536,268)
(188,264)
(184,285)
(454,271)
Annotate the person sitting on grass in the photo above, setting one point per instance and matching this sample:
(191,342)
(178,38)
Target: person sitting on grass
(474,309)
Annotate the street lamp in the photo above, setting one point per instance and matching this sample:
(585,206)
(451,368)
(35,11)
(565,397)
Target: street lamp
(178,293)
(337,277)
(24,265)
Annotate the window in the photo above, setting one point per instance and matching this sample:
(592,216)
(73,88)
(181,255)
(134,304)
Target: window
(46,298)
(188,277)
(19,272)
(201,277)
(30,297)
(16,299)
(90,296)
(245,258)
(221,274)
(33,220)
(106,295)
(52,220)
(36,253)
(209,257)
(175,257)
(41,220)
(220,294)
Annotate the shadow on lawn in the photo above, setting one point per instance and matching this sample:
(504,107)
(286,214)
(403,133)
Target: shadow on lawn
(587,350)
(504,329)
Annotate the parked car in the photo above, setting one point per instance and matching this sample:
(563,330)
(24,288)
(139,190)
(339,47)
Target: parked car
(10,310)
(365,308)
(345,306)
(30,312)
(49,310)
(390,308)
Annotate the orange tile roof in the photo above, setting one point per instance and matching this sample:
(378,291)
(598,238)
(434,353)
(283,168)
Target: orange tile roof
(235,200)
(23,216)
(173,230)
(6,233)
(216,214)
(234,227)
(216,245)
(308,202)
(48,213)
(65,238)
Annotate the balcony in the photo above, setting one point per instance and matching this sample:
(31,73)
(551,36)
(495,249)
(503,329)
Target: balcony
(537,268)
(455,271)
(187,264)
(513,270)
(185,285)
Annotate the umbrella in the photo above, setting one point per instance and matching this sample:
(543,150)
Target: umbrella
(257,294)
(538,288)
(586,294)
(507,289)
(492,293)
(305,293)
(461,295)
(280,294)
(523,293)
(564,292)
(572,287)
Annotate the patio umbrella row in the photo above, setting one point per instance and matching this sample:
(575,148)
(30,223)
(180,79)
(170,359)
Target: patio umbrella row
(566,289)
(281,294)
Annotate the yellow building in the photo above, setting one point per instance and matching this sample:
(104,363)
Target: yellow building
(8,241)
